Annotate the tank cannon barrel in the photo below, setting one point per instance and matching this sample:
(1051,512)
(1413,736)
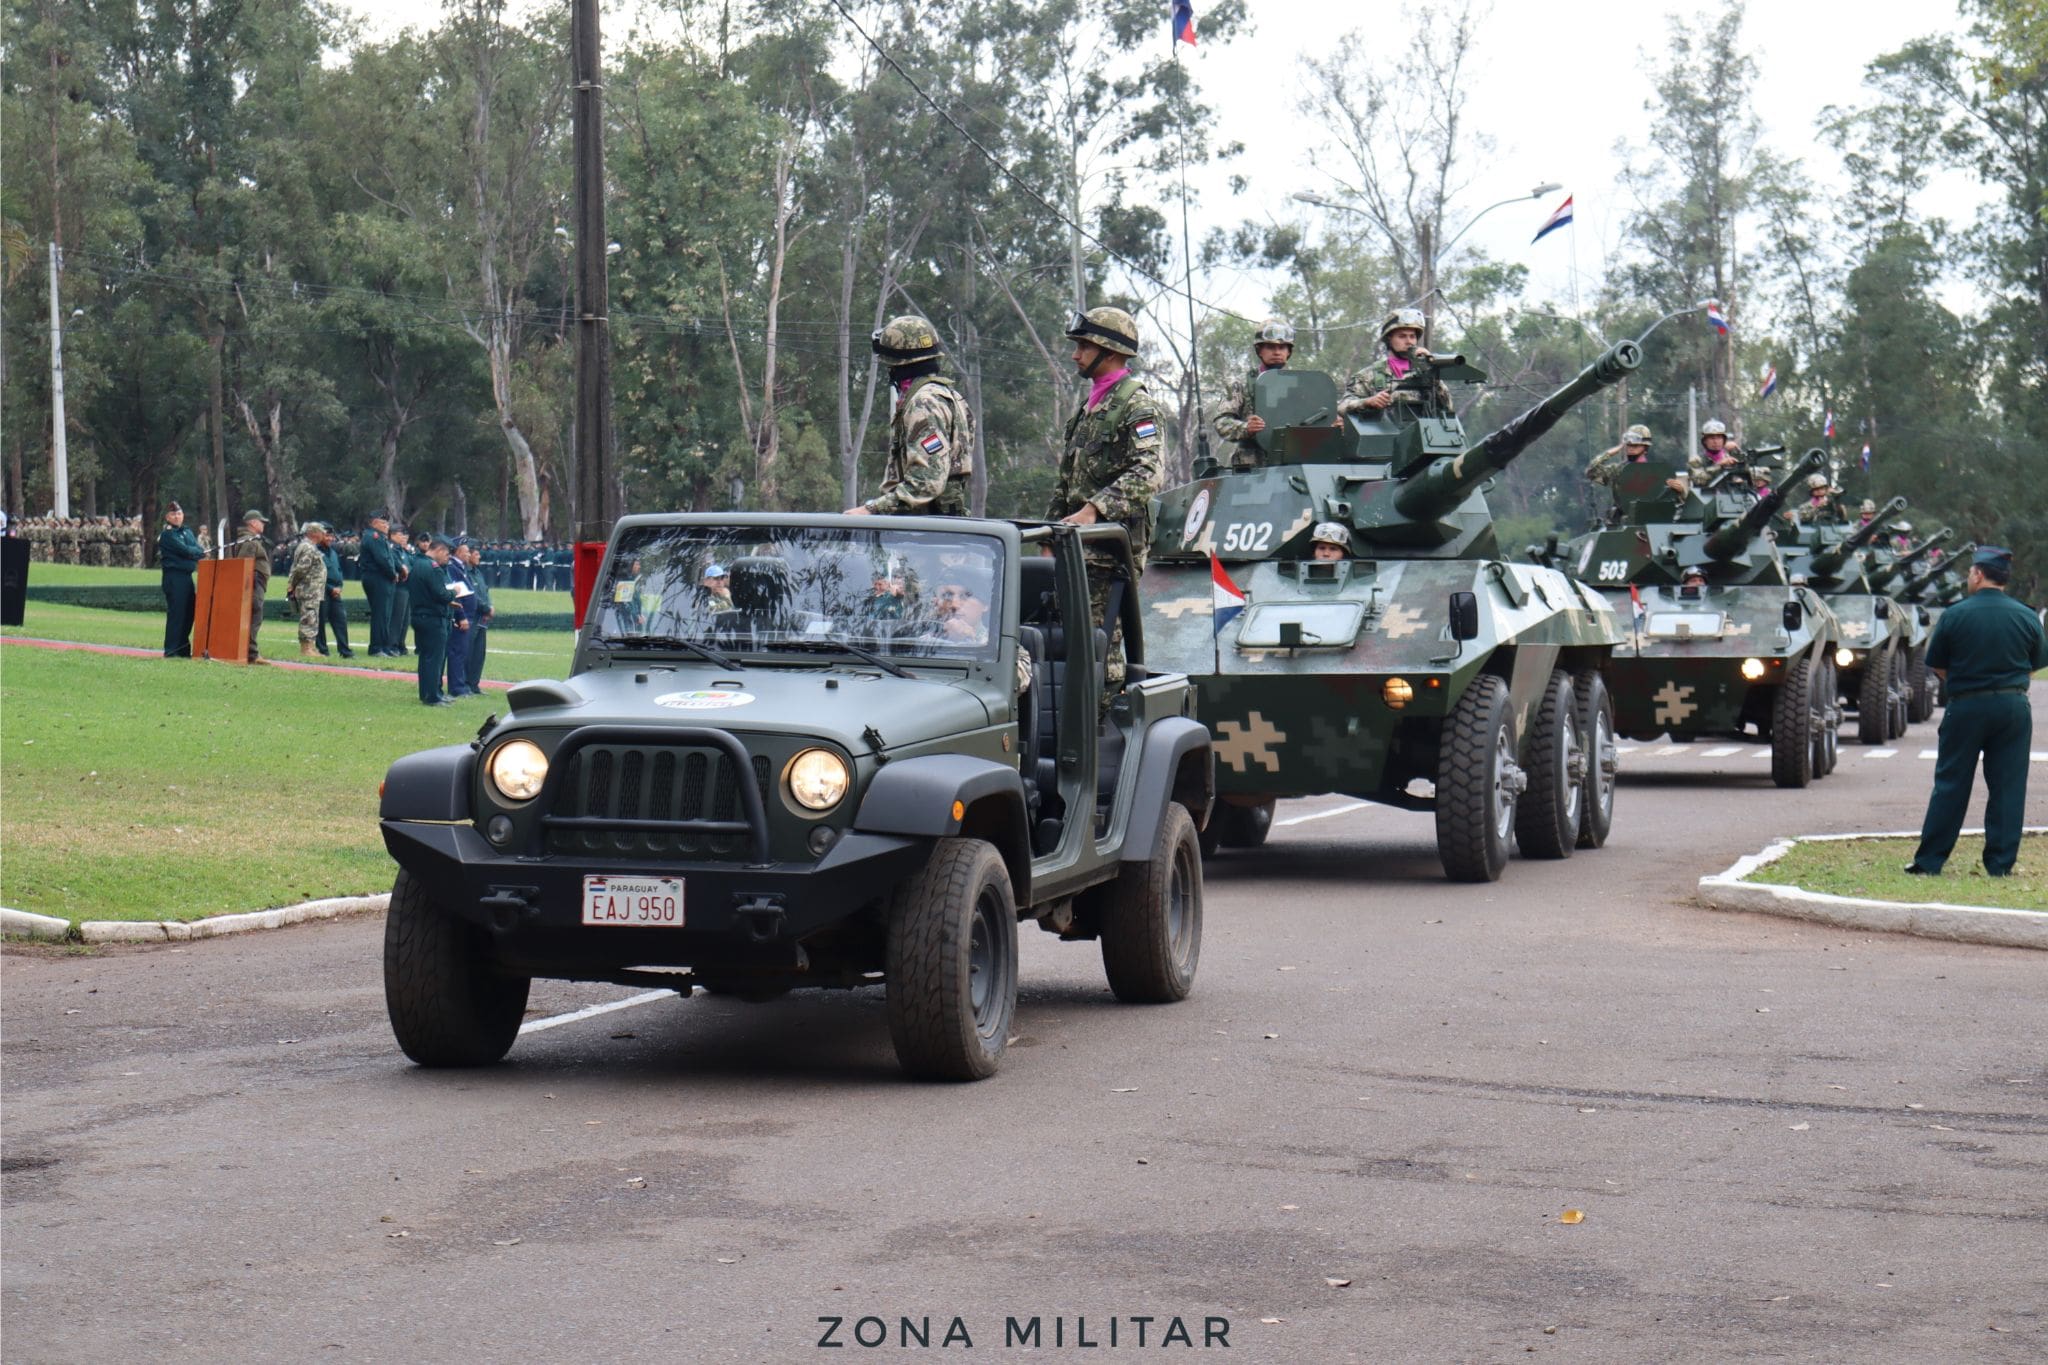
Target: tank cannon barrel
(1931,575)
(1886,573)
(1449,481)
(1734,538)
(1829,562)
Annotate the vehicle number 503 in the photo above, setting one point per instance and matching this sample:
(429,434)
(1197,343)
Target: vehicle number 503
(1613,570)
(1248,537)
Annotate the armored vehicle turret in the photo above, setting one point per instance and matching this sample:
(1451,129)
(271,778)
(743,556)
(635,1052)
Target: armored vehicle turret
(1418,668)
(1880,640)
(1722,643)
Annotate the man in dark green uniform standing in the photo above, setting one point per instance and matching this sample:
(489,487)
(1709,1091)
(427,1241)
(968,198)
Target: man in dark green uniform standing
(480,622)
(378,564)
(1985,649)
(406,559)
(430,600)
(178,555)
(333,610)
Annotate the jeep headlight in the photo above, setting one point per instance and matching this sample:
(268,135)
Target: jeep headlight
(817,779)
(518,770)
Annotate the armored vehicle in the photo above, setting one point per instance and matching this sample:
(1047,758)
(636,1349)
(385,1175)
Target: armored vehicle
(865,762)
(1873,661)
(1423,670)
(1890,573)
(1722,642)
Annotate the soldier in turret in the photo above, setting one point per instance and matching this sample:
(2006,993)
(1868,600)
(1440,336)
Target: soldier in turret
(1866,513)
(1272,347)
(1715,454)
(931,436)
(1330,540)
(1373,389)
(1634,449)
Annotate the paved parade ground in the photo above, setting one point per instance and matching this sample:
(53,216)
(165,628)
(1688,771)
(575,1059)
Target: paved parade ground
(1359,1140)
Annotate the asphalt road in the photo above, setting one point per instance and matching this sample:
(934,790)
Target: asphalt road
(1787,1141)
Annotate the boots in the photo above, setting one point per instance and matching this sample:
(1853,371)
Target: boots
(307,651)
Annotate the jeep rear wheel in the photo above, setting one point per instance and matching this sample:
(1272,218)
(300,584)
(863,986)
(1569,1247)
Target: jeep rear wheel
(1547,816)
(951,963)
(448,1005)
(1596,723)
(1152,923)
(1477,783)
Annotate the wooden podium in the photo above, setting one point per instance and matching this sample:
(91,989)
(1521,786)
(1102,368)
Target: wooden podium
(220,616)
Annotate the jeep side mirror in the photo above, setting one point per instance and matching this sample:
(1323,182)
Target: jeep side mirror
(1794,614)
(1464,616)
(1884,607)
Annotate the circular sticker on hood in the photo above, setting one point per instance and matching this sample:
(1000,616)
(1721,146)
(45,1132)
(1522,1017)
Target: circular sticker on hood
(1197,514)
(703,701)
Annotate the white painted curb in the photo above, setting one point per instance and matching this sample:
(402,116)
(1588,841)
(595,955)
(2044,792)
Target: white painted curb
(1929,919)
(22,924)
(170,931)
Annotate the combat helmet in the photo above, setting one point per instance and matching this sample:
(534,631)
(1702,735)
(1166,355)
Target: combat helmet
(905,340)
(1273,332)
(1868,509)
(1110,328)
(1331,533)
(1403,317)
(1818,483)
(1637,435)
(1713,427)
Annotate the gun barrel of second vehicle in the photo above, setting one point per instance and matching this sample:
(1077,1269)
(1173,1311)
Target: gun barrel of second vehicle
(1828,562)
(1449,481)
(1926,578)
(1885,573)
(1734,538)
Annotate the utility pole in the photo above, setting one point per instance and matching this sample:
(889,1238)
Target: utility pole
(1692,418)
(597,496)
(60,467)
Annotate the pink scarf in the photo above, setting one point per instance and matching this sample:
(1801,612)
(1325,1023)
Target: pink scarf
(1399,364)
(1103,386)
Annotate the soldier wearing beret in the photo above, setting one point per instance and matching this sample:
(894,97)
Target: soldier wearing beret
(178,556)
(931,435)
(254,548)
(1985,650)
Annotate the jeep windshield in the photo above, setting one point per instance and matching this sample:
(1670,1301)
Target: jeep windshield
(787,592)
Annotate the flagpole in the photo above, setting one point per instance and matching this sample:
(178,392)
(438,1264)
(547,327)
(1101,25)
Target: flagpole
(1188,253)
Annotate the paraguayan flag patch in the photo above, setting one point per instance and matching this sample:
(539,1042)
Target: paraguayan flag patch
(933,443)
(1145,430)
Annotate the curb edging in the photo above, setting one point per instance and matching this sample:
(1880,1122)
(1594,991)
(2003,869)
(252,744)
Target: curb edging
(1730,890)
(25,924)
(172,931)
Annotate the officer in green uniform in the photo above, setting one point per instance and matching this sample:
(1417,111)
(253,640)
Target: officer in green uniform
(1272,347)
(931,436)
(430,600)
(480,622)
(254,548)
(178,556)
(1985,649)
(403,559)
(378,565)
(1114,461)
(334,611)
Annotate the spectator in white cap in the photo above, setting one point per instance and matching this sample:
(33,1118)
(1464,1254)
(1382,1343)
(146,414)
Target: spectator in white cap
(716,586)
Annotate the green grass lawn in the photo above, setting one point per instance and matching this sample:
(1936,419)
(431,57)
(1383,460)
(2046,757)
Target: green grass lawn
(165,789)
(1870,868)
(85,575)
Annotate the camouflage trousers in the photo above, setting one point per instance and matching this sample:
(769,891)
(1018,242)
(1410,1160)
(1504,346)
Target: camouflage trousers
(309,618)
(1114,672)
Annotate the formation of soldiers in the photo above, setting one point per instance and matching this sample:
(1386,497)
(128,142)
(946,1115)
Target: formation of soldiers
(112,542)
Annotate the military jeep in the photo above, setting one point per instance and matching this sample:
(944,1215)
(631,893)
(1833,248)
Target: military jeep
(811,751)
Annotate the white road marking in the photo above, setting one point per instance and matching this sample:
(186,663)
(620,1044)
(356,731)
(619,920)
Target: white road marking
(1624,749)
(1932,753)
(2040,757)
(1667,750)
(1723,751)
(592,1011)
(1761,753)
(1879,753)
(1323,814)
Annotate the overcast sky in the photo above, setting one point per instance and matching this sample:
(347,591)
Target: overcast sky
(1557,87)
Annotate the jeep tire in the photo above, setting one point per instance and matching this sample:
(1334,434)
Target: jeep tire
(448,1005)
(1152,918)
(951,963)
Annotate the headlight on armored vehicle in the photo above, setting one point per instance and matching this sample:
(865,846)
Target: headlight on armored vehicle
(1844,657)
(1752,669)
(1396,693)
(817,779)
(518,770)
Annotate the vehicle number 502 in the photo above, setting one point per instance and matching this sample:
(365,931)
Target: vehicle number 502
(1612,570)
(1249,537)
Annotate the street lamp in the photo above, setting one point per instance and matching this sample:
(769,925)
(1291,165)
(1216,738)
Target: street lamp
(1699,307)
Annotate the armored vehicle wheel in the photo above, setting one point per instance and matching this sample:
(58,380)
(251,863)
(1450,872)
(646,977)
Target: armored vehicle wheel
(951,963)
(448,1006)
(1827,750)
(1477,782)
(1547,816)
(1596,723)
(1921,706)
(1873,699)
(1793,725)
(1152,924)
(1241,826)
(1901,704)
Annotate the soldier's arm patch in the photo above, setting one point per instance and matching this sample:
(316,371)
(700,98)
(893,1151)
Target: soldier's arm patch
(934,444)
(1146,429)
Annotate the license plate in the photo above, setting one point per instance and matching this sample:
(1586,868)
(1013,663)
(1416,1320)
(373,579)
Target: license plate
(633,902)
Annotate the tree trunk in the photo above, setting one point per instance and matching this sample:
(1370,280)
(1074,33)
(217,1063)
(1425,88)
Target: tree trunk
(849,451)
(269,437)
(387,476)
(531,514)
(461,509)
(769,441)
(216,426)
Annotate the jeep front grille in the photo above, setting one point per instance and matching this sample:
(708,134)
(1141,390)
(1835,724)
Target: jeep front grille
(613,793)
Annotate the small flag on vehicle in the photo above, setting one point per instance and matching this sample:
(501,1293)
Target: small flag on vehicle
(1717,318)
(1184,22)
(1229,598)
(1635,607)
(1555,221)
(1769,384)
(1866,455)
(1828,430)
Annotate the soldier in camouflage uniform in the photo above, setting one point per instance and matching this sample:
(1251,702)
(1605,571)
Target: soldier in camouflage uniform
(1273,346)
(931,436)
(1716,453)
(254,548)
(306,586)
(1634,449)
(1372,388)
(1115,458)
